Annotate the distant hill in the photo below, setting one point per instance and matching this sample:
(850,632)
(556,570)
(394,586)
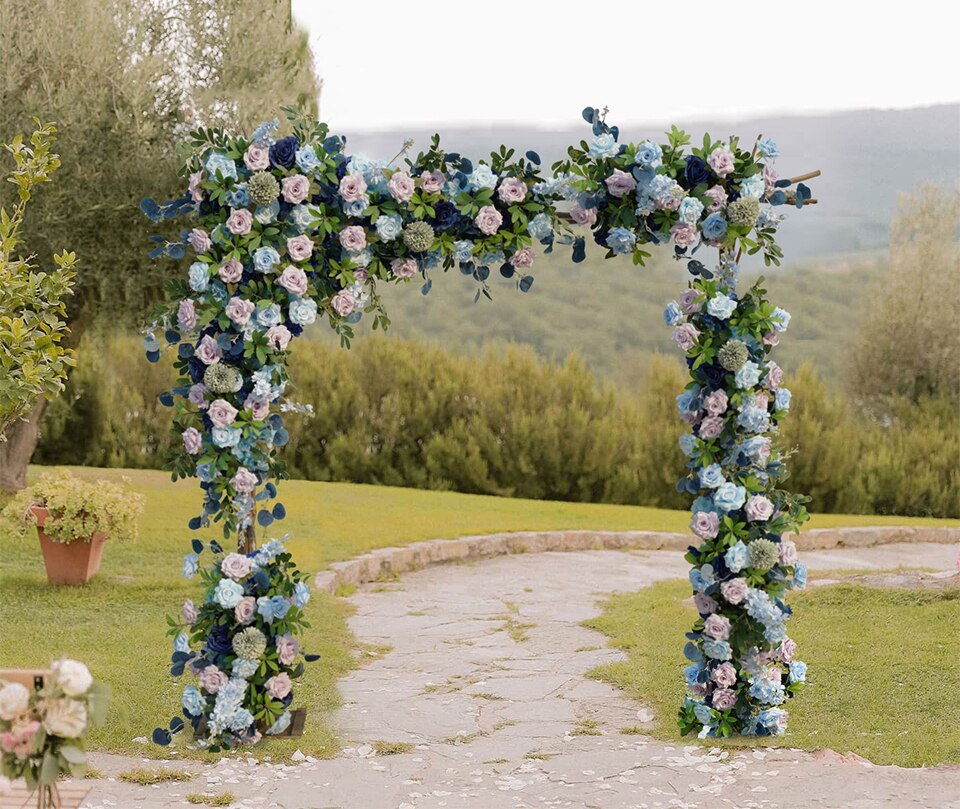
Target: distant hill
(867,157)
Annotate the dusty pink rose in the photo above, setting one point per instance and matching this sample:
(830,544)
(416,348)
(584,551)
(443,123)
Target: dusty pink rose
(208,352)
(489,220)
(716,403)
(186,314)
(196,192)
(279,685)
(295,188)
(717,627)
(724,675)
(724,699)
(432,181)
(18,741)
(299,248)
(512,190)
(222,413)
(771,338)
(758,508)
(231,271)
(212,679)
(192,441)
(258,409)
(705,524)
(774,376)
(788,648)
(199,240)
(401,186)
(699,690)
(294,280)
(770,178)
(704,603)
(278,337)
(760,400)
(343,303)
(685,336)
(239,221)
(403,267)
(236,566)
(287,649)
(584,216)
(619,184)
(239,310)
(198,395)
(246,610)
(719,197)
(683,234)
(721,161)
(522,259)
(691,301)
(360,275)
(256,158)
(353,187)
(353,239)
(189,612)
(734,590)
(788,552)
(244,480)
(711,427)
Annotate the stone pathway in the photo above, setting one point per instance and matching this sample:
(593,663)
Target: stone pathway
(485,682)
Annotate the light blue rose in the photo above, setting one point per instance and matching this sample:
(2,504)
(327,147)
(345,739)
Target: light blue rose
(205,472)
(228,594)
(688,444)
(389,227)
(736,557)
(754,447)
(303,312)
(649,155)
(363,258)
(240,720)
(265,214)
(237,196)
(800,575)
(181,643)
(714,226)
(301,594)
(690,210)
(307,160)
(702,577)
(703,503)
(190,565)
(721,306)
(672,315)
(452,188)
(361,164)
(303,216)
(781,319)
(218,161)
(192,701)
(798,671)
(752,187)
(463,250)
(711,476)
(272,608)
(716,649)
(771,721)
(269,315)
(199,276)
(754,420)
(492,258)
(225,437)
(692,673)
(604,145)
(540,227)
(747,375)
(282,723)
(729,496)
(688,402)
(265,259)
(355,208)
(782,399)
(621,240)
(768,148)
(703,712)
(482,177)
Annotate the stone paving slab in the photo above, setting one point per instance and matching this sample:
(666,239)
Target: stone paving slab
(495,702)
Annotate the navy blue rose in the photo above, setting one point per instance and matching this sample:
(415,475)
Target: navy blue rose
(695,173)
(711,375)
(219,641)
(447,215)
(283,153)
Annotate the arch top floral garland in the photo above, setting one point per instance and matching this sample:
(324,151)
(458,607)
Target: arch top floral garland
(290,229)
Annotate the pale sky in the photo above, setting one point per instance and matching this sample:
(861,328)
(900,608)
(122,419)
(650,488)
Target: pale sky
(393,63)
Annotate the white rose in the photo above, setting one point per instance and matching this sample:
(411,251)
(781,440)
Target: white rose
(14,700)
(66,718)
(72,676)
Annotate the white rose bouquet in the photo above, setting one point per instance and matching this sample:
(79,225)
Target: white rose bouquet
(41,731)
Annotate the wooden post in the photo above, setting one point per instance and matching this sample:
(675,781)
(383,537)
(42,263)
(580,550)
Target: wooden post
(247,540)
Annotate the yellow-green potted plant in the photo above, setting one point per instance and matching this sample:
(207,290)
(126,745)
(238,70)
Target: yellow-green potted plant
(74,518)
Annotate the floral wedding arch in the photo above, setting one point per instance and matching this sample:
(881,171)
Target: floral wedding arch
(290,229)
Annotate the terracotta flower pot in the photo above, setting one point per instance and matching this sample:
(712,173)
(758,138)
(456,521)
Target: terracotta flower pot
(69,563)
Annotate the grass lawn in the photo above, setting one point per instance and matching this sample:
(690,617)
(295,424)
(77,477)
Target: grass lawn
(882,675)
(116,623)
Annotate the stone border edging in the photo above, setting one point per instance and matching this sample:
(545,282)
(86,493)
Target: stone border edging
(390,561)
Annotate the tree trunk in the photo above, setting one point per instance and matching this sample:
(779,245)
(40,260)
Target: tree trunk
(16,451)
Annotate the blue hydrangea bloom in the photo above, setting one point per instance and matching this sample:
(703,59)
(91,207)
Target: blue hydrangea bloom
(540,227)
(800,575)
(754,420)
(620,240)
(218,161)
(781,319)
